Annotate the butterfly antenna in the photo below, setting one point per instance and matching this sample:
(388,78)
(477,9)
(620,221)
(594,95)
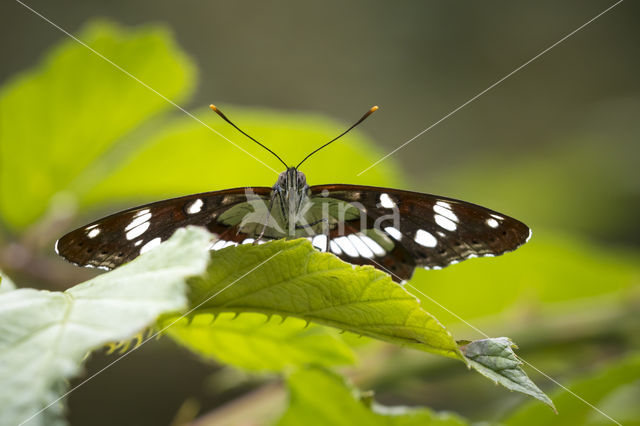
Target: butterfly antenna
(367,114)
(224,117)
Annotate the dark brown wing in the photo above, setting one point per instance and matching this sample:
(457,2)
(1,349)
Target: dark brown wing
(430,231)
(121,237)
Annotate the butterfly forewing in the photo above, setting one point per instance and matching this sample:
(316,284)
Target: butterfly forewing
(121,237)
(400,230)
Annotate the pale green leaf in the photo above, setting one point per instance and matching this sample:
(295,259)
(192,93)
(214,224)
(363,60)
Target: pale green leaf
(594,388)
(495,359)
(291,278)
(45,335)
(320,398)
(255,342)
(5,283)
(56,120)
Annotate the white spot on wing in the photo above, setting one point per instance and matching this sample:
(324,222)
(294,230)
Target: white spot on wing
(88,228)
(55,247)
(425,238)
(150,245)
(529,236)
(335,249)
(248,241)
(443,204)
(495,216)
(137,231)
(218,245)
(446,223)
(320,242)
(395,233)
(229,244)
(142,212)
(346,246)
(362,248)
(195,206)
(375,247)
(93,233)
(386,201)
(138,220)
(492,222)
(445,212)
(137,243)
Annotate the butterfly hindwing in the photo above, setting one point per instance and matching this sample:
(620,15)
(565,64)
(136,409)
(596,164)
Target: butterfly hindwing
(121,237)
(400,230)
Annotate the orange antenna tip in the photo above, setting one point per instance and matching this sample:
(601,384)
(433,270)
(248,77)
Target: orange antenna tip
(374,108)
(213,107)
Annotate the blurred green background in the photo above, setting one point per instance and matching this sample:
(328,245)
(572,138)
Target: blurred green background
(556,146)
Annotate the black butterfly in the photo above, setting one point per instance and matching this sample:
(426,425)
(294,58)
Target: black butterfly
(387,228)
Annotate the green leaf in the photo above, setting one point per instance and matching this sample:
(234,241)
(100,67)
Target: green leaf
(291,278)
(76,99)
(5,283)
(254,342)
(527,279)
(318,397)
(495,359)
(45,335)
(596,388)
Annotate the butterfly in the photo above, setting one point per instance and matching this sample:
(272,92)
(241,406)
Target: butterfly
(390,229)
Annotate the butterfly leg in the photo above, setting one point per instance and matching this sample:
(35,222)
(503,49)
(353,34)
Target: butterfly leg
(266,220)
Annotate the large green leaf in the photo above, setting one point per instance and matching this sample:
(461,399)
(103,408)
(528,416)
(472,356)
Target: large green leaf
(291,278)
(55,121)
(596,389)
(320,398)
(45,335)
(253,343)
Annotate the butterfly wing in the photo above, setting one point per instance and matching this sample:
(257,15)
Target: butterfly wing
(121,237)
(401,230)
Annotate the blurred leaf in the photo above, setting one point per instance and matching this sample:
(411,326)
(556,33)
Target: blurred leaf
(5,283)
(45,335)
(572,184)
(594,389)
(291,278)
(57,120)
(183,156)
(253,342)
(301,282)
(549,269)
(318,397)
(495,359)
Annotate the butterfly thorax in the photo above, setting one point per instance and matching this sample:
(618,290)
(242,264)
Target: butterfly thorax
(290,197)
